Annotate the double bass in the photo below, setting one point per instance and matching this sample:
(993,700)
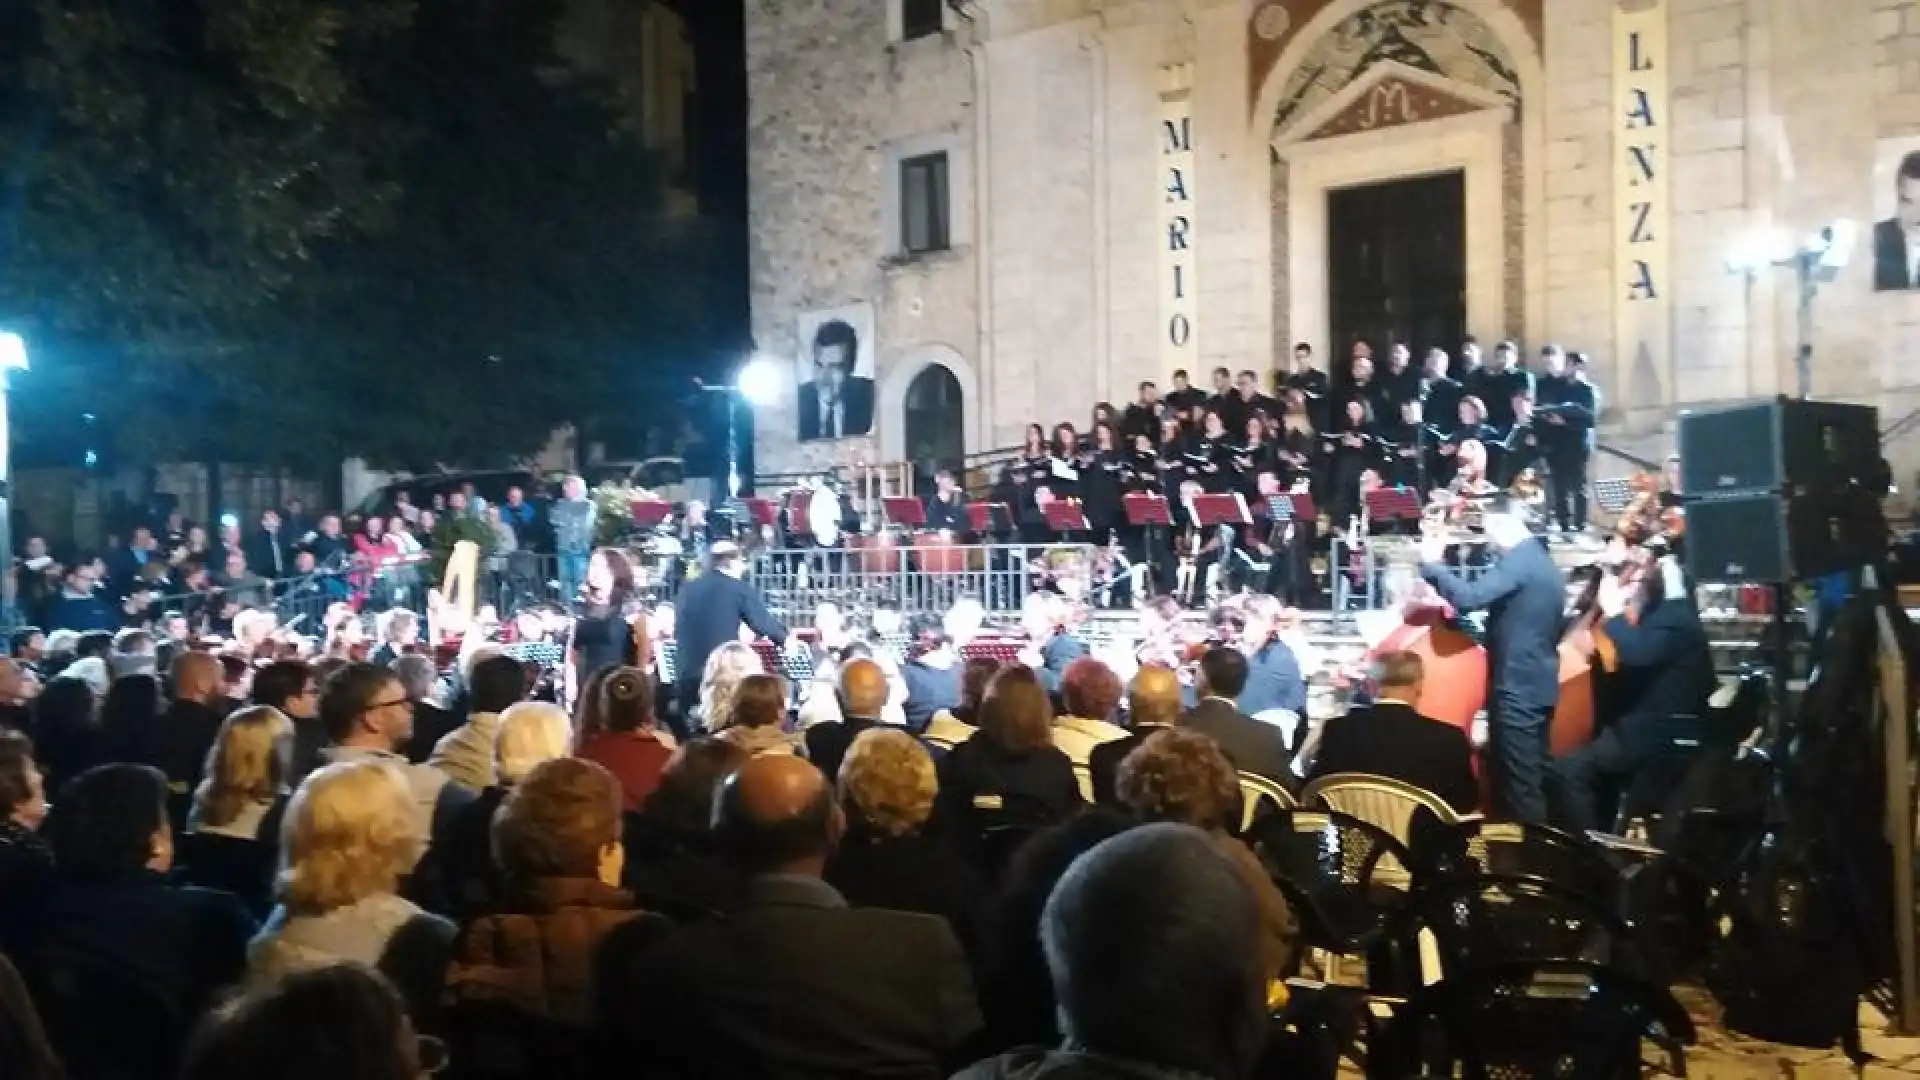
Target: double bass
(1644,524)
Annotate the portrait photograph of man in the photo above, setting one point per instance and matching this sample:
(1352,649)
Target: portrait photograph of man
(836,373)
(1896,233)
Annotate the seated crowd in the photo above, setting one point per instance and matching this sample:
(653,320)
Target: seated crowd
(1041,875)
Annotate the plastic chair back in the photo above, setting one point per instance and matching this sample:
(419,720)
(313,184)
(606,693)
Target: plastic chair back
(1383,802)
(1260,796)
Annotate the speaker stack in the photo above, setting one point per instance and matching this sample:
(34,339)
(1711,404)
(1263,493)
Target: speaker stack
(1782,490)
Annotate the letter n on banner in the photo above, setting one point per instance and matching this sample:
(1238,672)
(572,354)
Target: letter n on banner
(1642,291)
(1174,195)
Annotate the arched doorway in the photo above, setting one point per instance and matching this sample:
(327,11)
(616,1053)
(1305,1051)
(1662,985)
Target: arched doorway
(934,420)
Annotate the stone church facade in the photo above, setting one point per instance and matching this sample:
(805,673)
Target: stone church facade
(1029,206)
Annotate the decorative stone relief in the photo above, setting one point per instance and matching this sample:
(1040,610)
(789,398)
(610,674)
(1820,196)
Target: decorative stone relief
(1438,38)
(1273,24)
(1390,102)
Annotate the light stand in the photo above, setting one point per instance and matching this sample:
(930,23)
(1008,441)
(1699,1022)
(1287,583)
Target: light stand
(1814,261)
(13,357)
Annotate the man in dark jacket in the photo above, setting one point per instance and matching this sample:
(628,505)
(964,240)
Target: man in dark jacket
(1665,670)
(795,983)
(709,612)
(1253,746)
(1569,406)
(1390,738)
(1525,597)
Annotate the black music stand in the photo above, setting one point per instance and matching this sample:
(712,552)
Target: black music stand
(903,510)
(649,513)
(989,518)
(1065,517)
(1150,514)
(1392,504)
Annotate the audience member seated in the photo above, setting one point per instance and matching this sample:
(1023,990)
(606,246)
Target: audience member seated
(465,754)
(758,722)
(123,961)
(523,980)
(192,720)
(66,730)
(368,717)
(1182,777)
(334,1022)
(627,740)
(349,841)
(862,694)
(673,862)
(1390,738)
(431,722)
(887,859)
(1153,704)
(1252,745)
(1090,693)
(951,727)
(232,839)
(1009,774)
(932,673)
(1152,942)
(857,991)
(293,687)
(530,733)
(25,1051)
(721,676)
(26,862)
(130,725)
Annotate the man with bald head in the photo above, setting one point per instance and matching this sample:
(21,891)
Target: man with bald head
(192,721)
(1152,940)
(1153,702)
(795,983)
(862,693)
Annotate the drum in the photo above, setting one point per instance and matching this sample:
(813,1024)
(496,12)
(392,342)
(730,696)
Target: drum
(878,553)
(940,553)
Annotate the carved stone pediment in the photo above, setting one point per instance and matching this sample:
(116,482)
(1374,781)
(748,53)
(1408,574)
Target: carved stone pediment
(1390,102)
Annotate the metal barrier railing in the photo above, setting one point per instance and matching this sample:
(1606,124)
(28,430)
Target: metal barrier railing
(796,581)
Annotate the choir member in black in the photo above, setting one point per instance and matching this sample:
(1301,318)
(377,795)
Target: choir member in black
(1398,381)
(1063,463)
(1521,449)
(1224,400)
(1103,413)
(1469,424)
(1303,376)
(1252,455)
(1351,450)
(1143,416)
(1471,363)
(1184,394)
(1569,406)
(1210,460)
(1033,453)
(1250,400)
(1364,385)
(1439,395)
(947,506)
(1100,469)
(1298,447)
(1402,438)
(1502,381)
(1177,444)
(1014,490)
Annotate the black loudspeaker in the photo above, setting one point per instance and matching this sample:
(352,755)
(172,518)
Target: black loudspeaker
(1787,445)
(1761,537)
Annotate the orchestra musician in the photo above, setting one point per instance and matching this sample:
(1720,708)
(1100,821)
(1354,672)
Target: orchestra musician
(1656,648)
(947,506)
(1524,596)
(1051,646)
(1569,407)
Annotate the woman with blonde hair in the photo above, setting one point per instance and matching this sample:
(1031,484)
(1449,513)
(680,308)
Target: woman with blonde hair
(232,839)
(719,680)
(349,839)
(759,718)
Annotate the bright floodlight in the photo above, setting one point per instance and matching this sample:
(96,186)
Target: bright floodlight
(1764,248)
(759,382)
(13,352)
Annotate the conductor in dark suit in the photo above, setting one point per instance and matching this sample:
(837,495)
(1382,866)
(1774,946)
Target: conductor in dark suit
(1896,241)
(795,983)
(1663,668)
(835,403)
(1390,738)
(710,611)
(1524,596)
(1253,746)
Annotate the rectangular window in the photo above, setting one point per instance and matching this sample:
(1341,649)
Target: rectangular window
(920,18)
(924,210)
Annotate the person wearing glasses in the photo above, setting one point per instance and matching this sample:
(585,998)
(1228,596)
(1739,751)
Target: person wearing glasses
(369,717)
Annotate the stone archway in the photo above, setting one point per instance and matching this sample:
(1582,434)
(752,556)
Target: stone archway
(901,374)
(934,422)
(1309,57)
